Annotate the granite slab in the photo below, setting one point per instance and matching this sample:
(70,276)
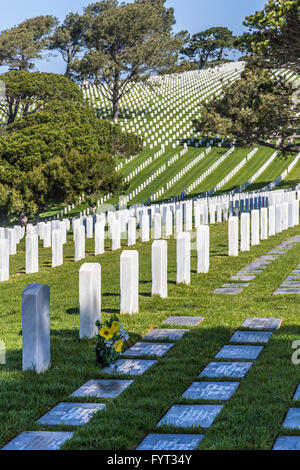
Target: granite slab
(102,388)
(185,416)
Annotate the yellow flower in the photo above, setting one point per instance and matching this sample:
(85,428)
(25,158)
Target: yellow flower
(118,345)
(115,326)
(106,332)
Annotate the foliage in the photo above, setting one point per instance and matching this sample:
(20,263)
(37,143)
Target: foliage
(110,339)
(27,92)
(22,44)
(58,153)
(125,43)
(274,37)
(68,39)
(253,109)
(208,45)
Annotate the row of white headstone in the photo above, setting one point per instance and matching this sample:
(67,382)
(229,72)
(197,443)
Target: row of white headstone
(156,222)
(207,172)
(265,223)
(233,172)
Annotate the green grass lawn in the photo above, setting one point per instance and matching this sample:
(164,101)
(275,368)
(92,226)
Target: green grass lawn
(248,170)
(292,179)
(253,417)
(278,165)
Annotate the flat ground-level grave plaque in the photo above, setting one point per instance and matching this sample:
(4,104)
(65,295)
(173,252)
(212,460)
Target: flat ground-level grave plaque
(293,278)
(186,416)
(291,283)
(260,262)
(211,390)
(287,291)
(38,440)
(164,333)
(242,278)
(129,366)
(239,352)
(71,414)
(238,284)
(250,337)
(226,369)
(287,443)
(249,272)
(171,442)
(292,419)
(184,321)
(148,349)
(228,290)
(102,388)
(262,323)
(297,394)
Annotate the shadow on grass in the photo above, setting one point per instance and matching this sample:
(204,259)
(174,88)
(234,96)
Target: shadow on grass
(72,311)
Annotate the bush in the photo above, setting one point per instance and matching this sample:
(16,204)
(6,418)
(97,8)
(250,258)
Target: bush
(56,154)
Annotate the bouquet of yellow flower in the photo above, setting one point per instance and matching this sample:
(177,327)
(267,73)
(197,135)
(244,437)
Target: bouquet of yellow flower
(110,339)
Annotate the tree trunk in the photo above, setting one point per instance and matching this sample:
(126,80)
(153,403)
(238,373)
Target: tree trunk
(115,97)
(68,69)
(220,54)
(12,113)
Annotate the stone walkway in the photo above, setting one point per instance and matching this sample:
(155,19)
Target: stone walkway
(203,416)
(250,272)
(245,347)
(78,414)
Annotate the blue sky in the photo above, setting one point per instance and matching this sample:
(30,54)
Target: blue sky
(191,15)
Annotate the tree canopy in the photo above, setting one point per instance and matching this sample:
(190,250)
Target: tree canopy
(274,37)
(27,92)
(254,109)
(208,45)
(68,39)
(56,154)
(22,44)
(124,44)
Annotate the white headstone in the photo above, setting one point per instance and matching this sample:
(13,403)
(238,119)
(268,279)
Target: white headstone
(36,327)
(160,268)
(89,226)
(278,218)
(285,216)
(89,299)
(57,249)
(183,257)
(169,223)
(264,223)
(116,234)
(32,253)
(4,260)
(245,231)
(203,249)
(132,231)
(145,228)
(255,227)
(129,281)
(233,236)
(271,221)
(99,238)
(157,226)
